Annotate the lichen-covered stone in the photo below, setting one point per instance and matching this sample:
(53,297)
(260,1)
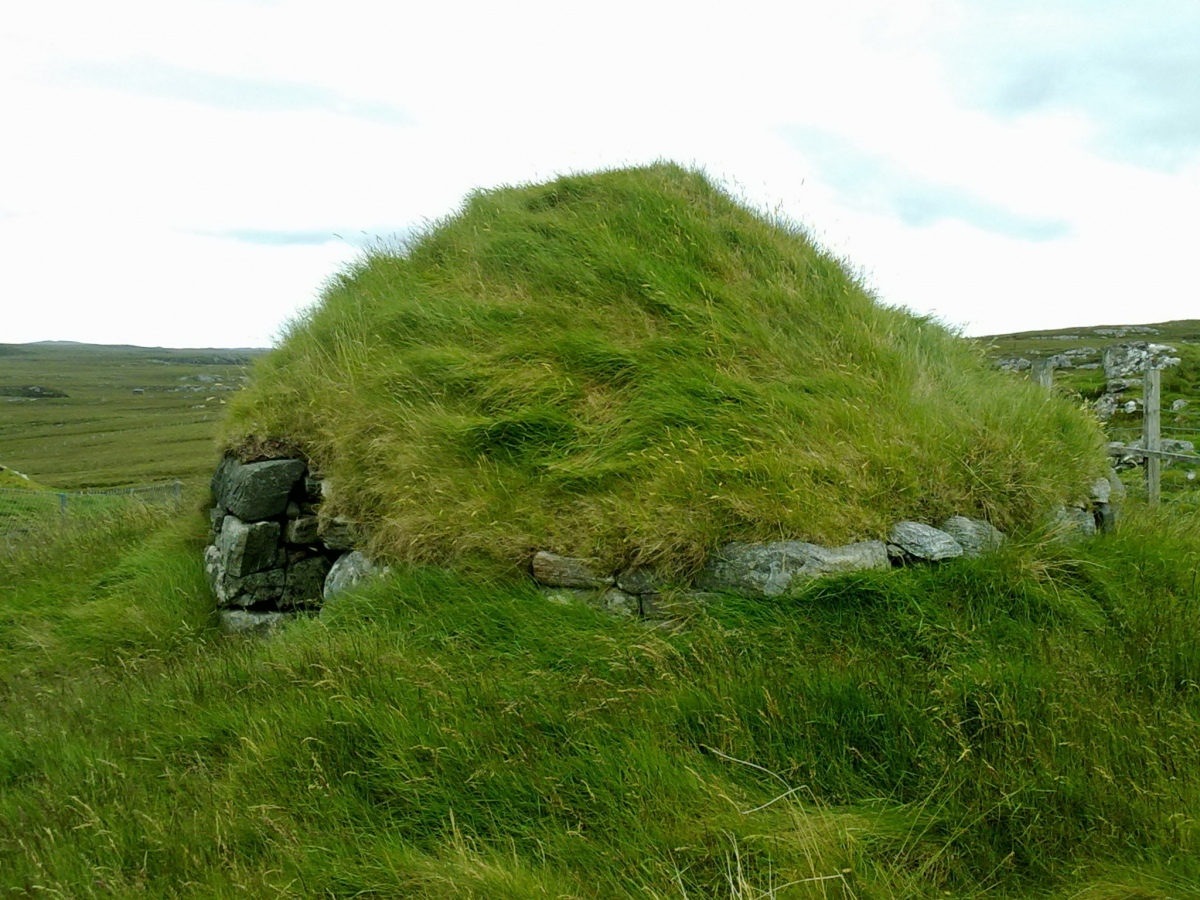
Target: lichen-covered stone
(256,491)
(553,570)
(250,623)
(349,570)
(924,542)
(247,547)
(618,603)
(304,583)
(257,589)
(641,581)
(1070,524)
(975,536)
(769,570)
(336,533)
(302,530)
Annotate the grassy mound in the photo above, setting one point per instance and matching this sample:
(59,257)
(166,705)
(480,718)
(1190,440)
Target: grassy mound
(631,365)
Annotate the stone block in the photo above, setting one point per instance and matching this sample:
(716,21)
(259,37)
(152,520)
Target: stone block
(247,547)
(641,581)
(303,530)
(256,491)
(924,542)
(304,583)
(618,603)
(349,570)
(769,570)
(336,533)
(248,623)
(1070,524)
(975,536)
(553,570)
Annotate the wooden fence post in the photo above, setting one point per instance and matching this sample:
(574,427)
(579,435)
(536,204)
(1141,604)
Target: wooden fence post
(1151,435)
(1043,374)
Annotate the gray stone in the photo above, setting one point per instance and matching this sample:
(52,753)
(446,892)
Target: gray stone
(653,605)
(350,569)
(302,530)
(850,558)
(641,581)
(304,584)
(293,510)
(925,542)
(1105,407)
(553,570)
(769,570)
(314,489)
(255,491)
(1130,406)
(336,533)
(975,536)
(1014,364)
(618,603)
(250,623)
(1100,491)
(1070,524)
(1179,404)
(248,547)
(568,596)
(216,516)
(257,589)
(1117,488)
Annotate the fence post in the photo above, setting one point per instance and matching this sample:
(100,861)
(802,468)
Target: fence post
(62,507)
(1043,374)
(1151,435)
(178,492)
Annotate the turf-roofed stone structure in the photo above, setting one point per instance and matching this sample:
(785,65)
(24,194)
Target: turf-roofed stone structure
(633,368)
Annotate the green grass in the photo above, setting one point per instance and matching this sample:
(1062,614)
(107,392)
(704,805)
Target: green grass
(1026,725)
(630,365)
(102,434)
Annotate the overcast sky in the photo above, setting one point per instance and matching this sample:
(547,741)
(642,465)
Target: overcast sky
(189,173)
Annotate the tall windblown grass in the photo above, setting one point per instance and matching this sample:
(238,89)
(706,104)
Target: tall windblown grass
(1024,725)
(632,366)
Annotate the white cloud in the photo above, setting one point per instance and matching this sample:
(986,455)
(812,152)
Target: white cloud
(172,156)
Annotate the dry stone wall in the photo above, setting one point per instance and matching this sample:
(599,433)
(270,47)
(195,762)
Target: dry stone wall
(271,551)
(273,554)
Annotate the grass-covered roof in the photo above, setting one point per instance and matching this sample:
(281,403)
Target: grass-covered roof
(634,366)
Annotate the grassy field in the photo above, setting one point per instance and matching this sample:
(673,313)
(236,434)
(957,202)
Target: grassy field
(130,415)
(1022,726)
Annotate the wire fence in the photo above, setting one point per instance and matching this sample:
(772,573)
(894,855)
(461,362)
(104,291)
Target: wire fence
(25,514)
